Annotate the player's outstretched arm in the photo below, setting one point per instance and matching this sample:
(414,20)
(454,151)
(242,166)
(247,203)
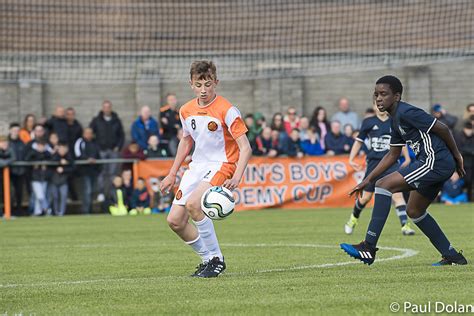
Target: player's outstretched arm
(388,160)
(445,134)
(354,152)
(184,147)
(245,152)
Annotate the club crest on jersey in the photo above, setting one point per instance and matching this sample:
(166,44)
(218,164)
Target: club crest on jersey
(212,126)
(415,146)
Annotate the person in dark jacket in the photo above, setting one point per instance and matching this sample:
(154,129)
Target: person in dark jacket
(265,145)
(58,185)
(39,176)
(143,127)
(170,123)
(87,149)
(443,116)
(293,146)
(17,174)
(465,142)
(7,156)
(58,124)
(127,185)
(154,150)
(336,142)
(110,137)
(74,132)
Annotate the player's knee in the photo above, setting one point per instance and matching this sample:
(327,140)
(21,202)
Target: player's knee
(364,199)
(193,206)
(176,224)
(383,183)
(414,213)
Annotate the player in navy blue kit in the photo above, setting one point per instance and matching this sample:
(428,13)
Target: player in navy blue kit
(437,157)
(377,130)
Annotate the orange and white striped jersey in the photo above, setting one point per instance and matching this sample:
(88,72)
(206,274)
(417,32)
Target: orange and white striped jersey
(214,129)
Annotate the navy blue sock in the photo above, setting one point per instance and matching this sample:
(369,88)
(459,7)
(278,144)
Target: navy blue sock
(383,202)
(402,214)
(431,229)
(358,207)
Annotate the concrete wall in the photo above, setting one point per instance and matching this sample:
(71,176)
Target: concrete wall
(449,84)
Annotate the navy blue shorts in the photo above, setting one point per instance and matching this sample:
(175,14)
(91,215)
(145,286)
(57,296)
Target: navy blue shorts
(371,164)
(428,181)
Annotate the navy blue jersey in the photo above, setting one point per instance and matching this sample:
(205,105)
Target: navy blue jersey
(412,125)
(378,134)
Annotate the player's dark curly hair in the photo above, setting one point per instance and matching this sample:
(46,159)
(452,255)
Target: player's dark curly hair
(203,70)
(394,83)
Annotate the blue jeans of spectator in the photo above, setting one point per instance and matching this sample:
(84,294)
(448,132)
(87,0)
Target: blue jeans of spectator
(109,170)
(88,187)
(461,198)
(59,193)
(41,201)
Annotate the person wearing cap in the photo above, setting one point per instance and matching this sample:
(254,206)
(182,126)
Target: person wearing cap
(441,115)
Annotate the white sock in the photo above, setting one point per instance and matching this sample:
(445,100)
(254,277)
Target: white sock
(208,234)
(200,248)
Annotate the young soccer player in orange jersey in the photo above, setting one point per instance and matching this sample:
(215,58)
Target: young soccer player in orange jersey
(221,153)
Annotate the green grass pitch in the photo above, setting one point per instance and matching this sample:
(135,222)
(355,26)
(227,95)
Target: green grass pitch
(279,262)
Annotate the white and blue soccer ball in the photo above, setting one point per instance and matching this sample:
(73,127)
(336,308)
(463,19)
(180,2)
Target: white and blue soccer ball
(217,203)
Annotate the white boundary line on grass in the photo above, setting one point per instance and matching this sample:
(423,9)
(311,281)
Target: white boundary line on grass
(405,253)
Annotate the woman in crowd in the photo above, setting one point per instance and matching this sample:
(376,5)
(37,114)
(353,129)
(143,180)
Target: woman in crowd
(26,132)
(319,122)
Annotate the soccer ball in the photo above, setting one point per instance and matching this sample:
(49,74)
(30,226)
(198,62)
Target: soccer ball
(217,203)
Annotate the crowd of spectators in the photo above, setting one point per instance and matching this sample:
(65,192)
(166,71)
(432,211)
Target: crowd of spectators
(62,139)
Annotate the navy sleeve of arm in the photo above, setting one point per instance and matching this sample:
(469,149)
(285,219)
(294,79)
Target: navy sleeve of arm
(396,139)
(364,130)
(419,119)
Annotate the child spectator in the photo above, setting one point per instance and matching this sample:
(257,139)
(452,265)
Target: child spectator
(304,126)
(53,143)
(132,151)
(293,147)
(87,149)
(155,196)
(265,144)
(58,185)
(39,176)
(160,203)
(336,142)
(154,149)
(127,185)
(349,131)
(311,146)
(140,203)
(452,192)
(117,198)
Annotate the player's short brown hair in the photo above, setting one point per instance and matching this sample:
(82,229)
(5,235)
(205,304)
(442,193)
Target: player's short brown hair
(202,70)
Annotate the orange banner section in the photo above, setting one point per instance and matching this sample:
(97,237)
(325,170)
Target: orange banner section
(310,182)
